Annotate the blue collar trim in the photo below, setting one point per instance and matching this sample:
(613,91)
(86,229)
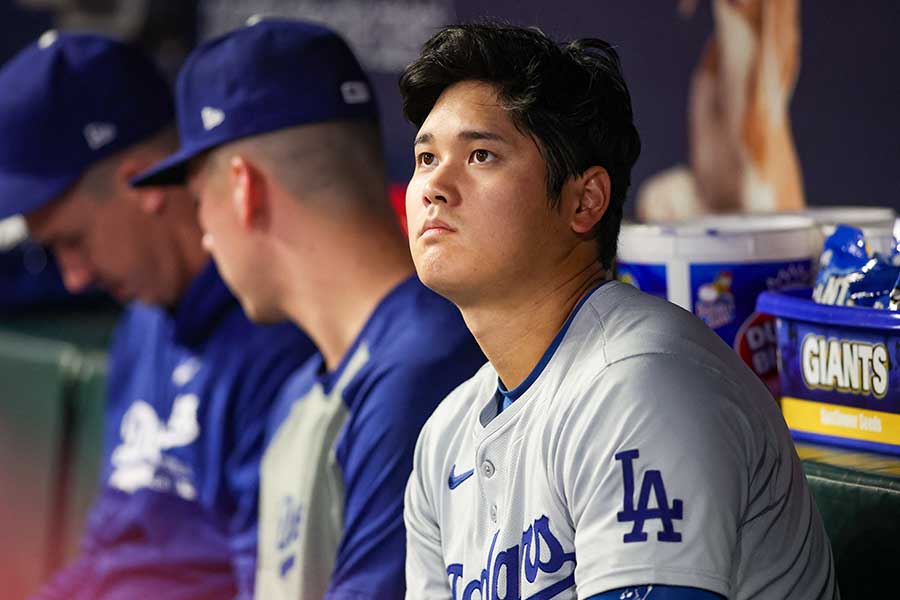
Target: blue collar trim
(507,397)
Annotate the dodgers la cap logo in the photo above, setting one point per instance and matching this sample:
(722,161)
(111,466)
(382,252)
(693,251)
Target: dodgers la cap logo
(68,101)
(271,74)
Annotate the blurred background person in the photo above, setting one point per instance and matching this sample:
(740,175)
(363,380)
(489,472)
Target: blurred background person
(190,380)
(279,133)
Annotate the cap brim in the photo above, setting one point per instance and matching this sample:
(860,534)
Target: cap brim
(21,194)
(172,170)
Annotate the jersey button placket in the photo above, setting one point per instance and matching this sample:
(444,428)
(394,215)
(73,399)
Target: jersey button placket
(490,482)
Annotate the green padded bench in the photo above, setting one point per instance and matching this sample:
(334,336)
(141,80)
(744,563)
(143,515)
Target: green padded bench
(53,372)
(37,375)
(858,495)
(85,328)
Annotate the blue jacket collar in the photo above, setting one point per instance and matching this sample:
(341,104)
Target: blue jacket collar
(202,306)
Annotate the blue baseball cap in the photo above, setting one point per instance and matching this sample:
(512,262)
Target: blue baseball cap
(66,102)
(266,76)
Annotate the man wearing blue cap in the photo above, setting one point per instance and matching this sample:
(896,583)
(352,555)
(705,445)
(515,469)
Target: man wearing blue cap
(280,140)
(190,380)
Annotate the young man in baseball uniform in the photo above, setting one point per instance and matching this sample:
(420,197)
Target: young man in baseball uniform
(190,380)
(281,147)
(613,447)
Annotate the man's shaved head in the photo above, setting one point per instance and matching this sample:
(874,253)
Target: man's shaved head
(333,161)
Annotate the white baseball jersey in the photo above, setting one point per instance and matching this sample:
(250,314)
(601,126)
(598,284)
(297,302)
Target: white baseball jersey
(641,450)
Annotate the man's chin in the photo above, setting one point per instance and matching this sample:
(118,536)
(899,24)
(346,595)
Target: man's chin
(442,283)
(260,314)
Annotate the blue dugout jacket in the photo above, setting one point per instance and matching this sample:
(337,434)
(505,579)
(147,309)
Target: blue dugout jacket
(189,392)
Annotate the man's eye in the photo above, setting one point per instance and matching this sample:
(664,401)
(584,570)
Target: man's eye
(481,156)
(426,159)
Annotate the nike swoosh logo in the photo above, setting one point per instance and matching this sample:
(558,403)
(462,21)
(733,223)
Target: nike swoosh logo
(455,480)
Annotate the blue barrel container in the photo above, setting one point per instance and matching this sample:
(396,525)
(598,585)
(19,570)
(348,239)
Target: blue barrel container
(839,369)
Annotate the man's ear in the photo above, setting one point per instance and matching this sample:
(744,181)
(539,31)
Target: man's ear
(592,199)
(248,191)
(151,200)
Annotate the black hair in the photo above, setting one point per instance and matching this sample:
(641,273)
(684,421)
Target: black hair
(570,97)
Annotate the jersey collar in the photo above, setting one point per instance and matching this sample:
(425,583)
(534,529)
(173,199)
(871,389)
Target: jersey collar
(503,397)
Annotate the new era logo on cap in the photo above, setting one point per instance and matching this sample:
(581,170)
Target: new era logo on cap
(114,97)
(211,117)
(98,135)
(270,75)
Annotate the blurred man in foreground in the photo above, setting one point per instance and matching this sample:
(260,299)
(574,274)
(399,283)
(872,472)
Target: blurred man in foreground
(279,130)
(190,380)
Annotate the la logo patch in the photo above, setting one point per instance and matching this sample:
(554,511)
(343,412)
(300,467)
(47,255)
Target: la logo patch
(651,484)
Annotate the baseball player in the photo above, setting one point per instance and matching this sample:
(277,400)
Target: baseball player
(190,379)
(281,147)
(613,447)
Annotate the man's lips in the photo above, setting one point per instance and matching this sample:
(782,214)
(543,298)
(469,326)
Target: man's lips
(435,227)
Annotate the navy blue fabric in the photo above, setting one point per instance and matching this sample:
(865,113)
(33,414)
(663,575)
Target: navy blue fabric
(420,350)
(267,76)
(506,397)
(657,592)
(187,531)
(67,102)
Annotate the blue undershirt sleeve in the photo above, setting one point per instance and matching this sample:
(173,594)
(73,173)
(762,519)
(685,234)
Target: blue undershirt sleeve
(377,461)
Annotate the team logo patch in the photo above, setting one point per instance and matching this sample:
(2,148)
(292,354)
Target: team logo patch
(638,593)
(652,484)
(288,532)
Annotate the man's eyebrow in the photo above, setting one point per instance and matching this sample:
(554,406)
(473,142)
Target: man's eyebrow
(468,134)
(481,135)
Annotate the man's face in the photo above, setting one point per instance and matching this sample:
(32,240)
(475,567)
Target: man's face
(230,243)
(479,216)
(101,242)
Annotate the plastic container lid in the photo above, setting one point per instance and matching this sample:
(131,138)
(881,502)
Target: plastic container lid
(797,305)
(721,238)
(851,215)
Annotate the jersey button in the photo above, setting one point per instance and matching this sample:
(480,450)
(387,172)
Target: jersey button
(494,513)
(487,469)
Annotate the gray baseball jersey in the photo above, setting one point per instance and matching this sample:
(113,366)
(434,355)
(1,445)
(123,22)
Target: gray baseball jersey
(642,450)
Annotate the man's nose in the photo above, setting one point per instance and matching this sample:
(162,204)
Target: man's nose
(439,187)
